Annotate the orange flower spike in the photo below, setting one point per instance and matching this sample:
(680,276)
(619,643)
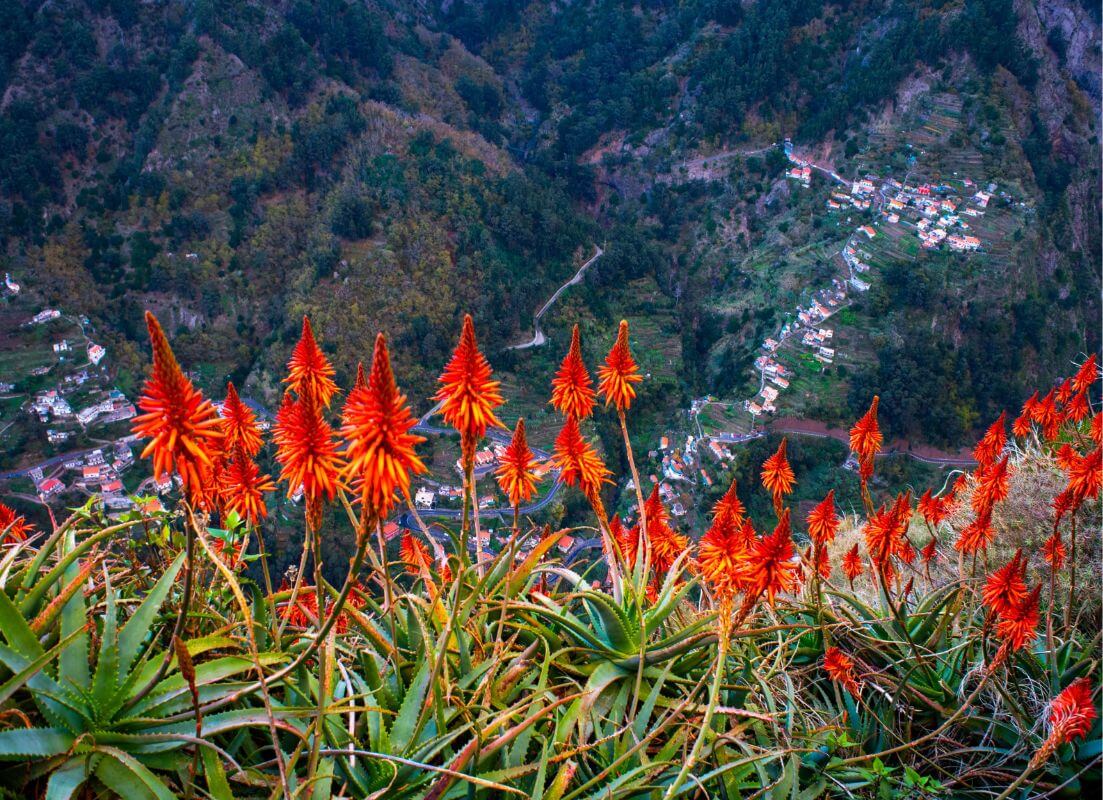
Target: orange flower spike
(1045,413)
(361,376)
(902,512)
(1078,407)
(1086,475)
(1054,551)
(823,521)
(865,436)
(415,554)
(852,564)
(666,543)
(578,462)
(930,550)
(619,372)
(184,429)
(1005,588)
(625,540)
(308,455)
(1087,376)
(1066,457)
(720,556)
(993,484)
(1021,426)
(572,388)
(1019,627)
(880,537)
(977,535)
(840,668)
(992,443)
(380,450)
(777,476)
(1097,428)
(771,567)
(309,372)
(240,424)
(13,527)
(468,395)
(1072,711)
(934,509)
(730,503)
(245,488)
(516,474)
(1064,391)
(1070,717)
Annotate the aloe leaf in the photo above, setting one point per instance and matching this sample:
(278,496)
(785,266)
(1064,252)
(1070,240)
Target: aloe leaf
(67,779)
(404,724)
(136,629)
(19,744)
(217,785)
(73,666)
(129,778)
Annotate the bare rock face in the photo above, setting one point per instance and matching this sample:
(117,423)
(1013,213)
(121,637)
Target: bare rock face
(1079,35)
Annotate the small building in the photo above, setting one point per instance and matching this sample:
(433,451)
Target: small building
(424,497)
(50,487)
(45,315)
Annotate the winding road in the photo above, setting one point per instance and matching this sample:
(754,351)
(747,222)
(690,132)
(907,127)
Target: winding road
(538,337)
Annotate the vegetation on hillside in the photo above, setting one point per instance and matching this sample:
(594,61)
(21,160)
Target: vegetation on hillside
(168,156)
(945,645)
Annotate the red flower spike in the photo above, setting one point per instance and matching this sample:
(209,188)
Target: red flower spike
(721,554)
(1019,626)
(1072,711)
(239,424)
(1054,551)
(666,543)
(777,476)
(579,463)
(309,372)
(245,488)
(852,564)
(184,430)
(771,567)
(823,521)
(1006,588)
(1021,426)
(992,443)
(380,450)
(516,474)
(468,395)
(930,550)
(619,372)
(307,453)
(730,504)
(865,436)
(13,527)
(1087,376)
(572,389)
(840,668)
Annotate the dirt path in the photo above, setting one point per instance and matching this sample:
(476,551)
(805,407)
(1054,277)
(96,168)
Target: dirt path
(538,337)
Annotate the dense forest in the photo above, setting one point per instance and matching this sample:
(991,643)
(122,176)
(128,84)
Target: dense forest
(389,166)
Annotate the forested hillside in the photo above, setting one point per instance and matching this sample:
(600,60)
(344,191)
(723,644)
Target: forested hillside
(232,165)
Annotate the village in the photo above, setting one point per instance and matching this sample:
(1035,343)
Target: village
(65,396)
(940,216)
(937,214)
